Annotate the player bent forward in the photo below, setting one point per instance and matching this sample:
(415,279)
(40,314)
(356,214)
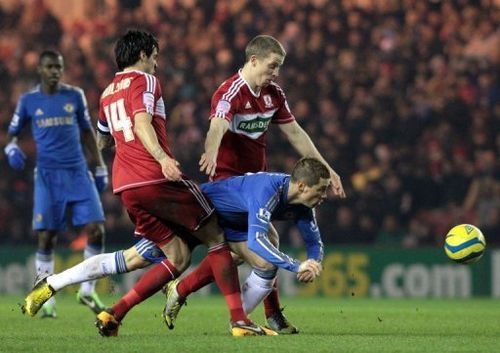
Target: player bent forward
(246,205)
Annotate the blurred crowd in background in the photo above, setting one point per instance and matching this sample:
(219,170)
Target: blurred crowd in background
(402,97)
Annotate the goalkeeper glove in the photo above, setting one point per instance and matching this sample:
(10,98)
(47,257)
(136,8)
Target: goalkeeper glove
(101,178)
(15,156)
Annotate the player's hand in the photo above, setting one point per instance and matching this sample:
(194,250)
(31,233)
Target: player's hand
(15,156)
(309,270)
(208,164)
(170,170)
(101,178)
(336,184)
(305,277)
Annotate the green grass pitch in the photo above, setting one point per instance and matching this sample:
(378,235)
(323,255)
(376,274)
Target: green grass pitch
(327,325)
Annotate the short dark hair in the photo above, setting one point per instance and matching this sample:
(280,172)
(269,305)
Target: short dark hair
(128,48)
(262,46)
(49,53)
(309,170)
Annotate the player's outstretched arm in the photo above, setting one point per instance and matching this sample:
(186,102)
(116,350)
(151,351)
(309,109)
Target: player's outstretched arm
(208,160)
(146,133)
(303,144)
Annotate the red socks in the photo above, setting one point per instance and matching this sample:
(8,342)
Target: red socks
(218,265)
(272,301)
(150,283)
(198,278)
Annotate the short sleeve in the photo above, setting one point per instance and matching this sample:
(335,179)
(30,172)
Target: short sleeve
(223,104)
(144,93)
(102,123)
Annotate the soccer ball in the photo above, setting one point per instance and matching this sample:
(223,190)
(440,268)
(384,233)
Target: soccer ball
(464,244)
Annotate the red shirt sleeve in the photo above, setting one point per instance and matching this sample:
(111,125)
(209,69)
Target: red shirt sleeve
(102,122)
(144,92)
(221,107)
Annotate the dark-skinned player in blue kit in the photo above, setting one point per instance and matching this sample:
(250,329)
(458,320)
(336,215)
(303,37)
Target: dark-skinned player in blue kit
(61,127)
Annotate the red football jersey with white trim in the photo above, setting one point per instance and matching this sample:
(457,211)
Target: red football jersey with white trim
(243,147)
(132,92)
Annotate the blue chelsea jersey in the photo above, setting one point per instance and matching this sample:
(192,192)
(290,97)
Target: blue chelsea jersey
(56,120)
(250,202)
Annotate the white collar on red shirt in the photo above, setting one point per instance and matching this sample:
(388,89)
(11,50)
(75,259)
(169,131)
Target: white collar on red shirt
(255,94)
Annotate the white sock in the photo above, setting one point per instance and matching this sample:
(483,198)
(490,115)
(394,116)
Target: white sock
(44,262)
(256,287)
(95,267)
(86,288)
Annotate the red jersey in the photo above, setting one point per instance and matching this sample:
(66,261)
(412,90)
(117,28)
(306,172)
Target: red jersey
(243,147)
(132,92)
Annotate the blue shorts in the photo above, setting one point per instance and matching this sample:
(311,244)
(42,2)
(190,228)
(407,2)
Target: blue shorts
(234,235)
(149,251)
(60,190)
(235,228)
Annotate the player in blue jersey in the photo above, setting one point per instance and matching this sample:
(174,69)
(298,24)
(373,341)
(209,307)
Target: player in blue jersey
(246,205)
(60,125)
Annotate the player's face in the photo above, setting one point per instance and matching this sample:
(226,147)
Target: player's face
(313,196)
(267,69)
(151,62)
(51,70)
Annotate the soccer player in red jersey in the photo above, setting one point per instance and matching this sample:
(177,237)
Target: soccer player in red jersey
(160,200)
(241,110)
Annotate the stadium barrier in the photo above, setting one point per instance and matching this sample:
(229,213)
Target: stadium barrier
(354,271)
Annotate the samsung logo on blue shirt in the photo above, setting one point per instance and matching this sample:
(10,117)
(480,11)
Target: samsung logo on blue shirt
(55,121)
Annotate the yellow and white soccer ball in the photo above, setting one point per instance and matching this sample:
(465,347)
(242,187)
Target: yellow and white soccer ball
(464,244)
